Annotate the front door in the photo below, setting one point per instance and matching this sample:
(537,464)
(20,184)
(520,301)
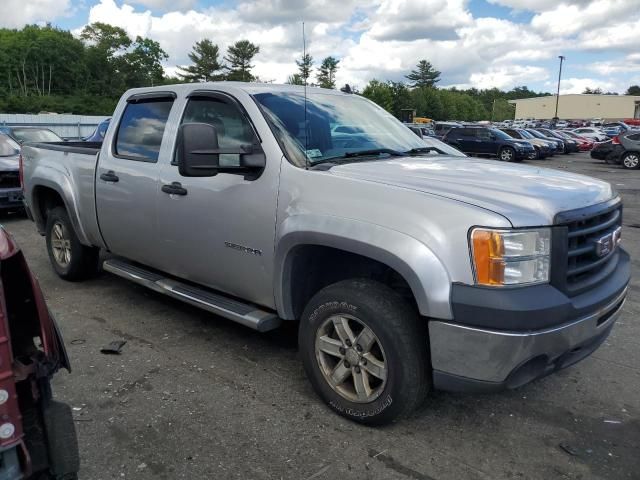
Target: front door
(219,231)
(127,178)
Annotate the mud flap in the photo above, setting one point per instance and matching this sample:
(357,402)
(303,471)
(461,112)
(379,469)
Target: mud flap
(62,442)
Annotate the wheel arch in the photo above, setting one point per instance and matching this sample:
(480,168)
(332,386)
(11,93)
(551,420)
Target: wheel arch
(361,249)
(46,195)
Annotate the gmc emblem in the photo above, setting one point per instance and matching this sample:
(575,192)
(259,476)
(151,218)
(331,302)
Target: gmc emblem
(605,245)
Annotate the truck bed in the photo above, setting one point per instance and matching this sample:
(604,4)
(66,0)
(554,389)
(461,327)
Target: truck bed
(69,169)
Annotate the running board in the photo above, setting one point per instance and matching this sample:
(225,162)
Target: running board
(243,313)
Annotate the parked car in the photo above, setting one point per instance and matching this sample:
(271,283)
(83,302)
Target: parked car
(37,433)
(593,133)
(570,145)
(608,151)
(441,128)
(421,129)
(10,190)
(406,268)
(99,132)
(559,142)
(630,155)
(489,142)
(553,144)
(542,147)
(584,144)
(31,134)
(561,124)
(613,129)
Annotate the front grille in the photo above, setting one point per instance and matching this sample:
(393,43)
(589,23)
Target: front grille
(9,180)
(587,263)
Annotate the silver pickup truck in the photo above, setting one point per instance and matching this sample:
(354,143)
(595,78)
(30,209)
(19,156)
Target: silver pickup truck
(408,265)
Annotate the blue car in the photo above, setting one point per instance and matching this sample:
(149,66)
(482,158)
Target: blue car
(489,142)
(99,133)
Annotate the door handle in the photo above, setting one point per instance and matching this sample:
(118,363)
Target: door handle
(174,188)
(110,176)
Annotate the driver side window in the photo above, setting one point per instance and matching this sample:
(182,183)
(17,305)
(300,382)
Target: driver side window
(231,124)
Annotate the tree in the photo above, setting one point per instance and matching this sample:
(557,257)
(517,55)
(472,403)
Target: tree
(633,90)
(239,56)
(305,65)
(425,75)
(327,73)
(295,79)
(380,93)
(143,65)
(206,63)
(592,91)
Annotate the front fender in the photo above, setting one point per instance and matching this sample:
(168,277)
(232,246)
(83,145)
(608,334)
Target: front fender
(418,265)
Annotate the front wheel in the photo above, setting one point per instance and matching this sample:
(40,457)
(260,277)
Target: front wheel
(631,160)
(507,154)
(365,351)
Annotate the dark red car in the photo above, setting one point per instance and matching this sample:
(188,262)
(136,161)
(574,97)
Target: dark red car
(37,434)
(584,144)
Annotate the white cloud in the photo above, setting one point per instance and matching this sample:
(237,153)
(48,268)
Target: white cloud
(384,39)
(16,13)
(166,4)
(631,63)
(578,85)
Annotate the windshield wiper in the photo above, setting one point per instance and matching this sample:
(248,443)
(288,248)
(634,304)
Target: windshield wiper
(361,153)
(414,151)
(373,151)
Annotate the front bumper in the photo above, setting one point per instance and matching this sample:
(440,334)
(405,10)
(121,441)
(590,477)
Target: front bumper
(467,355)
(10,198)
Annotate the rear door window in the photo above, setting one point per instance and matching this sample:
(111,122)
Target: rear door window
(141,129)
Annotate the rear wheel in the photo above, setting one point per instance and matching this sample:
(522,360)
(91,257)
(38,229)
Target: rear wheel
(631,160)
(70,259)
(365,351)
(507,154)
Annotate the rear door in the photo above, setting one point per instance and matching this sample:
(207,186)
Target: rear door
(127,176)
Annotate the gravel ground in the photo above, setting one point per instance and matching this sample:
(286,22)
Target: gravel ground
(195,396)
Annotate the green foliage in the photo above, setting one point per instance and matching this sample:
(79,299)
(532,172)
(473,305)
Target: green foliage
(206,63)
(633,90)
(326,76)
(305,64)
(446,104)
(239,56)
(295,79)
(425,75)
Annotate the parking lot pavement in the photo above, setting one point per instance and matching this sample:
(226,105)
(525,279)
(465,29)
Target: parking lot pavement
(195,396)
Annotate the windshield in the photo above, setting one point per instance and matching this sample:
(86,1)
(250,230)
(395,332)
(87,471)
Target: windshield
(500,134)
(35,135)
(338,126)
(8,148)
(525,134)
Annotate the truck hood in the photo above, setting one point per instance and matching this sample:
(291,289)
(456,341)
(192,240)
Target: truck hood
(9,163)
(525,195)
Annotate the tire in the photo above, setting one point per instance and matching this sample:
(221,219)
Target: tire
(631,160)
(399,343)
(70,259)
(507,154)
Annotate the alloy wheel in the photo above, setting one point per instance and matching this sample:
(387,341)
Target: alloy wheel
(631,160)
(61,244)
(506,155)
(351,358)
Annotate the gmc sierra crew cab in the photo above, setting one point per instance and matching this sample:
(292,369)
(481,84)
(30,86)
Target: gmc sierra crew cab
(408,265)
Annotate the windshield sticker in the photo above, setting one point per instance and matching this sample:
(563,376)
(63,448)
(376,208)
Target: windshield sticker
(314,153)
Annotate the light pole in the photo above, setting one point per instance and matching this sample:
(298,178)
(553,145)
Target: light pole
(561,57)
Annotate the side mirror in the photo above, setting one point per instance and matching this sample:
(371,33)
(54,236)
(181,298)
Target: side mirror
(198,153)
(197,143)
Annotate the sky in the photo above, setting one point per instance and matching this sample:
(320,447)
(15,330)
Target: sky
(474,43)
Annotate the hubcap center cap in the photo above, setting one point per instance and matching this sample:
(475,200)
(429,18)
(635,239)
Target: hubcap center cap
(352,357)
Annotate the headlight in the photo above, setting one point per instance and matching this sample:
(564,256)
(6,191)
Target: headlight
(511,257)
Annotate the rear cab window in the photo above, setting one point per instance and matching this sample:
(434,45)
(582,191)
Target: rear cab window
(141,129)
